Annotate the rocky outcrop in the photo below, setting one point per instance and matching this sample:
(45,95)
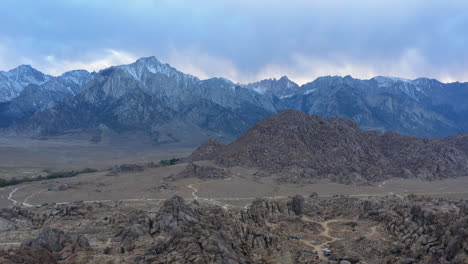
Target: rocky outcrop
(193,170)
(424,230)
(297,204)
(5,224)
(191,233)
(27,255)
(459,141)
(57,242)
(125,168)
(175,214)
(262,210)
(372,230)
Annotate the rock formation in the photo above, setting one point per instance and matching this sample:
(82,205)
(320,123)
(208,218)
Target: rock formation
(201,172)
(375,230)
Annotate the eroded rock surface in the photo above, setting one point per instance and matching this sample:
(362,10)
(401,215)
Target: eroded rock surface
(193,170)
(374,230)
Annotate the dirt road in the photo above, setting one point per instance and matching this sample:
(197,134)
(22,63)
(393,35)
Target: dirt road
(329,238)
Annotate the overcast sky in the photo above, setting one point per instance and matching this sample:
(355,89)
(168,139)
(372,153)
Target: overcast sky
(242,40)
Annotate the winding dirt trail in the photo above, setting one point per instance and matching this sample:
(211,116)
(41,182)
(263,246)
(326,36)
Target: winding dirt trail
(25,201)
(195,190)
(329,238)
(325,233)
(11,244)
(222,201)
(225,206)
(10,196)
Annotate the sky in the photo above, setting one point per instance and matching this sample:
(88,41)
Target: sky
(242,40)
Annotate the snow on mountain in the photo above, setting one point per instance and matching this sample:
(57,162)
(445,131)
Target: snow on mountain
(281,88)
(36,96)
(387,81)
(13,81)
(157,99)
(153,65)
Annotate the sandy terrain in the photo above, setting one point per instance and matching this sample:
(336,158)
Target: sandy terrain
(144,191)
(26,153)
(29,157)
(238,190)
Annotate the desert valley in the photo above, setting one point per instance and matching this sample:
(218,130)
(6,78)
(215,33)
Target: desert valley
(233,132)
(270,203)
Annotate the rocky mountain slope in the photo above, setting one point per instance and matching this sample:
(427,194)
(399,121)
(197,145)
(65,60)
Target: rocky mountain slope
(305,147)
(13,81)
(159,102)
(375,230)
(36,97)
(156,100)
(421,107)
(281,88)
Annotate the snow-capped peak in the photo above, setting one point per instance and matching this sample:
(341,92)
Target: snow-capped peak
(13,81)
(386,80)
(153,65)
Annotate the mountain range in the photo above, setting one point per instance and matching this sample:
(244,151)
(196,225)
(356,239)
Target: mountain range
(33,94)
(156,101)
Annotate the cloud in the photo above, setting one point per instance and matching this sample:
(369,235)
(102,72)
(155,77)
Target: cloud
(202,65)
(9,59)
(105,59)
(242,40)
(303,68)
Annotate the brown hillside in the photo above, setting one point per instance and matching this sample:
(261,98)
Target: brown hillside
(313,147)
(207,150)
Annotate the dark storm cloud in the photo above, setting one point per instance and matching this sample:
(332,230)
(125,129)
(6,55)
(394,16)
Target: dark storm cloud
(242,40)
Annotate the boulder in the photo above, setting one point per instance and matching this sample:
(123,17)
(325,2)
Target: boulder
(27,255)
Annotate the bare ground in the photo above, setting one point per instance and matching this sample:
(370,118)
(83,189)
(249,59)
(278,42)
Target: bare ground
(26,157)
(59,154)
(238,190)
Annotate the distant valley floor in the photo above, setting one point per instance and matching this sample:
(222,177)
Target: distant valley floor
(25,156)
(236,191)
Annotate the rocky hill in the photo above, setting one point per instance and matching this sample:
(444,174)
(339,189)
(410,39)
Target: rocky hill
(309,147)
(459,141)
(207,151)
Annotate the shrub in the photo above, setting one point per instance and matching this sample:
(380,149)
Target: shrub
(3,182)
(169,162)
(87,170)
(51,175)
